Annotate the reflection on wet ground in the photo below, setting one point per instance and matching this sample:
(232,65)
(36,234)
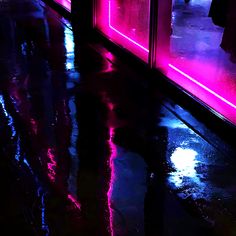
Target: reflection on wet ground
(88,147)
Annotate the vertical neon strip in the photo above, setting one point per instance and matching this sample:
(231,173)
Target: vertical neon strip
(112,178)
(123,35)
(203,86)
(52,164)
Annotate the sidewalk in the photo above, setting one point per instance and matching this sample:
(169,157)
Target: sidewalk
(90,147)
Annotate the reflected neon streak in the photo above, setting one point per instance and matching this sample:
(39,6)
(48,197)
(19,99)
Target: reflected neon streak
(123,35)
(74,201)
(112,178)
(203,86)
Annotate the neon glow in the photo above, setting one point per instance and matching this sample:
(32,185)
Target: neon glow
(112,179)
(120,33)
(203,86)
(52,164)
(198,64)
(65,3)
(74,201)
(126,24)
(210,79)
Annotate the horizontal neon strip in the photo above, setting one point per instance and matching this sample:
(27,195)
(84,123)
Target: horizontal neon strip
(123,35)
(203,86)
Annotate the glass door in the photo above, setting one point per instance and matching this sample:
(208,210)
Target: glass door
(196,49)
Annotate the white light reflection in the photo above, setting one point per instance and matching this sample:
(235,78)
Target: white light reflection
(73,75)
(184,161)
(69,45)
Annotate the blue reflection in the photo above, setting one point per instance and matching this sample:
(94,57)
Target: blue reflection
(72,180)
(8,116)
(169,120)
(40,191)
(73,75)
(172,123)
(44,225)
(69,45)
(19,157)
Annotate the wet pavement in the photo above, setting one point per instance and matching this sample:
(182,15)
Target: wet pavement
(89,146)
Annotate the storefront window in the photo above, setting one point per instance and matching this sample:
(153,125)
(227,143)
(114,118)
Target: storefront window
(196,48)
(126,22)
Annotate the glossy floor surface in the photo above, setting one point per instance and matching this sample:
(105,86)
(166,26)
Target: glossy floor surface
(91,146)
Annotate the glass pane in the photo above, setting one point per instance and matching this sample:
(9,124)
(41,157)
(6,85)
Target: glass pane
(126,22)
(65,3)
(196,48)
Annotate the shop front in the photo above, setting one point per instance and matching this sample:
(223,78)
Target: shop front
(185,40)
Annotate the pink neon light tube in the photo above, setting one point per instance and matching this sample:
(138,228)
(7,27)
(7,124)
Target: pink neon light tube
(65,3)
(203,86)
(123,35)
(126,24)
(216,100)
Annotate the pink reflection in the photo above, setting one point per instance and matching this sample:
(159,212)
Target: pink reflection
(109,65)
(111,107)
(112,180)
(51,164)
(74,201)
(65,3)
(34,126)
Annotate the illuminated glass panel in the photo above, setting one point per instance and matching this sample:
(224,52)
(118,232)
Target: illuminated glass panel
(65,3)
(192,52)
(126,22)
